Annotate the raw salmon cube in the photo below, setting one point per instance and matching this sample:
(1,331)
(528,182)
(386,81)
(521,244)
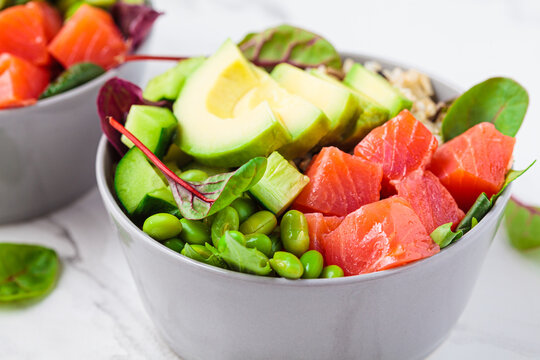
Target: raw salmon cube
(339,183)
(320,225)
(378,236)
(474,162)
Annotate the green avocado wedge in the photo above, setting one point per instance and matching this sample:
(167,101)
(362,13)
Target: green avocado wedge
(167,86)
(377,88)
(338,103)
(209,129)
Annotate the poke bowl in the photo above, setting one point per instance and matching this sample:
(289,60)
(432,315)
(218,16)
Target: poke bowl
(206,312)
(48,144)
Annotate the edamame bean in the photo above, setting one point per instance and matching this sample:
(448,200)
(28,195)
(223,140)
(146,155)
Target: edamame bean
(295,232)
(162,226)
(193,175)
(287,265)
(225,220)
(332,271)
(245,208)
(194,232)
(175,244)
(313,263)
(260,242)
(262,222)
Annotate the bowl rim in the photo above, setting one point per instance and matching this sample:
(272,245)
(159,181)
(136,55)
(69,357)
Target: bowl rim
(115,212)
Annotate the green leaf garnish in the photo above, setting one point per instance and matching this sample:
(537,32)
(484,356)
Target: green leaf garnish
(479,209)
(232,249)
(221,190)
(288,44)
(444,236)
(26,271)
(522,225)
(501,101)
(76,75)
(205,254)
(510,176)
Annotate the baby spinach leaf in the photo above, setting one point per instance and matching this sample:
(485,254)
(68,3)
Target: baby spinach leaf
(501,101)
(239,257)
(74,76)
(204,254)
(26,271)
(288,44)
(221,189)
(114,100)
(479,209)
(522,225)
(444,236)
(134,21)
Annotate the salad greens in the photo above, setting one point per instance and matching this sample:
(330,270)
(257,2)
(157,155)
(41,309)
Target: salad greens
(232,249)
(289,44)
(522,225)
(26,271)
(134,21)
(76,75)
(501,101)
(115,99)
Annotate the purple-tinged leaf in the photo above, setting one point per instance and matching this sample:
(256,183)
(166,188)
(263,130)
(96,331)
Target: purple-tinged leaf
(522,225)
(223,189)
(115,99)
(197,200)
(134,21)
(288,44)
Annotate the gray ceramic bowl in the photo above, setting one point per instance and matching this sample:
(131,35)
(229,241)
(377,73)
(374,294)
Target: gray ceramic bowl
(205,312)
(47,150)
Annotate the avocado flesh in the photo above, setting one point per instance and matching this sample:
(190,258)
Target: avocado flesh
(134,179)
(167,86)
(280,184)
(306,123)
(339,105)
(370,114)
(153,126)
(377,88)
(209,130)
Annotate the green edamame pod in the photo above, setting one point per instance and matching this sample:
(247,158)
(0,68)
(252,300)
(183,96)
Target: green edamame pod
(162,226)
(295,232)
(175,244)
(240,258)
(332,271)
(194,232)
(245,208)
(262,222)
(287,265)
(225,220)
(193,175)
(260,242)
(313,263)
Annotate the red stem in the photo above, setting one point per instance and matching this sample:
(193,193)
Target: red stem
(115,124)
(134,57)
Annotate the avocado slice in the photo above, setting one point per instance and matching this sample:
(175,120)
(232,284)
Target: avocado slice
(167,86)
(136,181)
(306,123)
(370,114)
(209,129)
(280,184)
(337,103)
(378,88)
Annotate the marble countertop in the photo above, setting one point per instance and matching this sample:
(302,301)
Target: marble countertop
(95,311)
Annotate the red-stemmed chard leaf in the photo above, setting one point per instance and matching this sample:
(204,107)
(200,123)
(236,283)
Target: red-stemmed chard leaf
(134,21)
(115,99)
(289,44)
(197,200)
(522,225)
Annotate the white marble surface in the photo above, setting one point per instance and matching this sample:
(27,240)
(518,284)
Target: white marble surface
(95,312)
